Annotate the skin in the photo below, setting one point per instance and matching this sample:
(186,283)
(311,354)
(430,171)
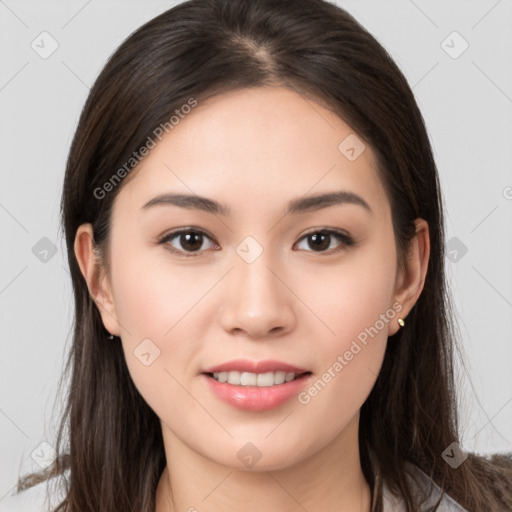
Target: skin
(255,150)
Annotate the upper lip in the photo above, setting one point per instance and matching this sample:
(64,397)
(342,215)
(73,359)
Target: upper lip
(245,365)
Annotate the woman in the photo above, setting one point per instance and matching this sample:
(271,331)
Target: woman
(255,237)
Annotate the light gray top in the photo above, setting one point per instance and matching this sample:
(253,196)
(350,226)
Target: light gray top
(448,504)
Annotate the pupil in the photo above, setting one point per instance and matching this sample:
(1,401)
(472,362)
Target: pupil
(316,237)
(193,240)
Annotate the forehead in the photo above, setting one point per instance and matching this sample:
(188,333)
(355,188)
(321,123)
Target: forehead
(256,147)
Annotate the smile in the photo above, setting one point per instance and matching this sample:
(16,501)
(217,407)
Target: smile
(255,379)
(256,392)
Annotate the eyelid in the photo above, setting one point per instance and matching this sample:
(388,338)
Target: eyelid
(345,239)
(162,240)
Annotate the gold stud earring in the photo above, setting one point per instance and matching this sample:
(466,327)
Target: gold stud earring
(109,336)
(401,322)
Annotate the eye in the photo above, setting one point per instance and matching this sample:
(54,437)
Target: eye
(191,241)
(321,240)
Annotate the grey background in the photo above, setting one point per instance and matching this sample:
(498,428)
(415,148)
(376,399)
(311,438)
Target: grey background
(467,105)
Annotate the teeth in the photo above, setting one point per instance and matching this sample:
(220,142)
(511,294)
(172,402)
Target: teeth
(234,378)
(254,379)
(249,379)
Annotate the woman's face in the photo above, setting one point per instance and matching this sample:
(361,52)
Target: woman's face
(262,278)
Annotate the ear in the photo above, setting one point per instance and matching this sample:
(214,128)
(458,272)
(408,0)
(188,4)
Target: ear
(410,281)
(96,277)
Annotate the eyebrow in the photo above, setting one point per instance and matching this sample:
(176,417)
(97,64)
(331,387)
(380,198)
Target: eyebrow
(300,205)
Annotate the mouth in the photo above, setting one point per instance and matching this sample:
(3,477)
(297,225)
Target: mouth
(248,379)
(256,392)
(255,386)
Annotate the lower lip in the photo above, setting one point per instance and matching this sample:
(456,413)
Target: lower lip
(255,398)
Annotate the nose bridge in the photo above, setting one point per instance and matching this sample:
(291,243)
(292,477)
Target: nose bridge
(256,286)
(257,301)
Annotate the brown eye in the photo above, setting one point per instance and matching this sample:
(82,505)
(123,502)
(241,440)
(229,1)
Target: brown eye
(187,241)
(191,241)
(320,241)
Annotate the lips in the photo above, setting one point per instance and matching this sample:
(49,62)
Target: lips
(254,398)
(245,365)
(240,391)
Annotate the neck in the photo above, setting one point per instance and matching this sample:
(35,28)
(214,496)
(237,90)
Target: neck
(329,480)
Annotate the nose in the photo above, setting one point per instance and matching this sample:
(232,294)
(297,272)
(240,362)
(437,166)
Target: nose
(257,300)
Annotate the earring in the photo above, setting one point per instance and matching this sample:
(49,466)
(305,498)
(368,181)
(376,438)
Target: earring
(401,322)
(110,336)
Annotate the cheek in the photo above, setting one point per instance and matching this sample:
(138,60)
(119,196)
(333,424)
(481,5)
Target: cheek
(354,304)
(351,297)
(154,296)
(145,298)
(155,307)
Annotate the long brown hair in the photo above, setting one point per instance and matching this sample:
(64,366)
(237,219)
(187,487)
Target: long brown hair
(109,437)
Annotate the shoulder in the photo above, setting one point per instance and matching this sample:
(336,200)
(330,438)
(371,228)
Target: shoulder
(392,503)
(42,497)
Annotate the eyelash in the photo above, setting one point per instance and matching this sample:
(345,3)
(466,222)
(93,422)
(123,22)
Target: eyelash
(346,240)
